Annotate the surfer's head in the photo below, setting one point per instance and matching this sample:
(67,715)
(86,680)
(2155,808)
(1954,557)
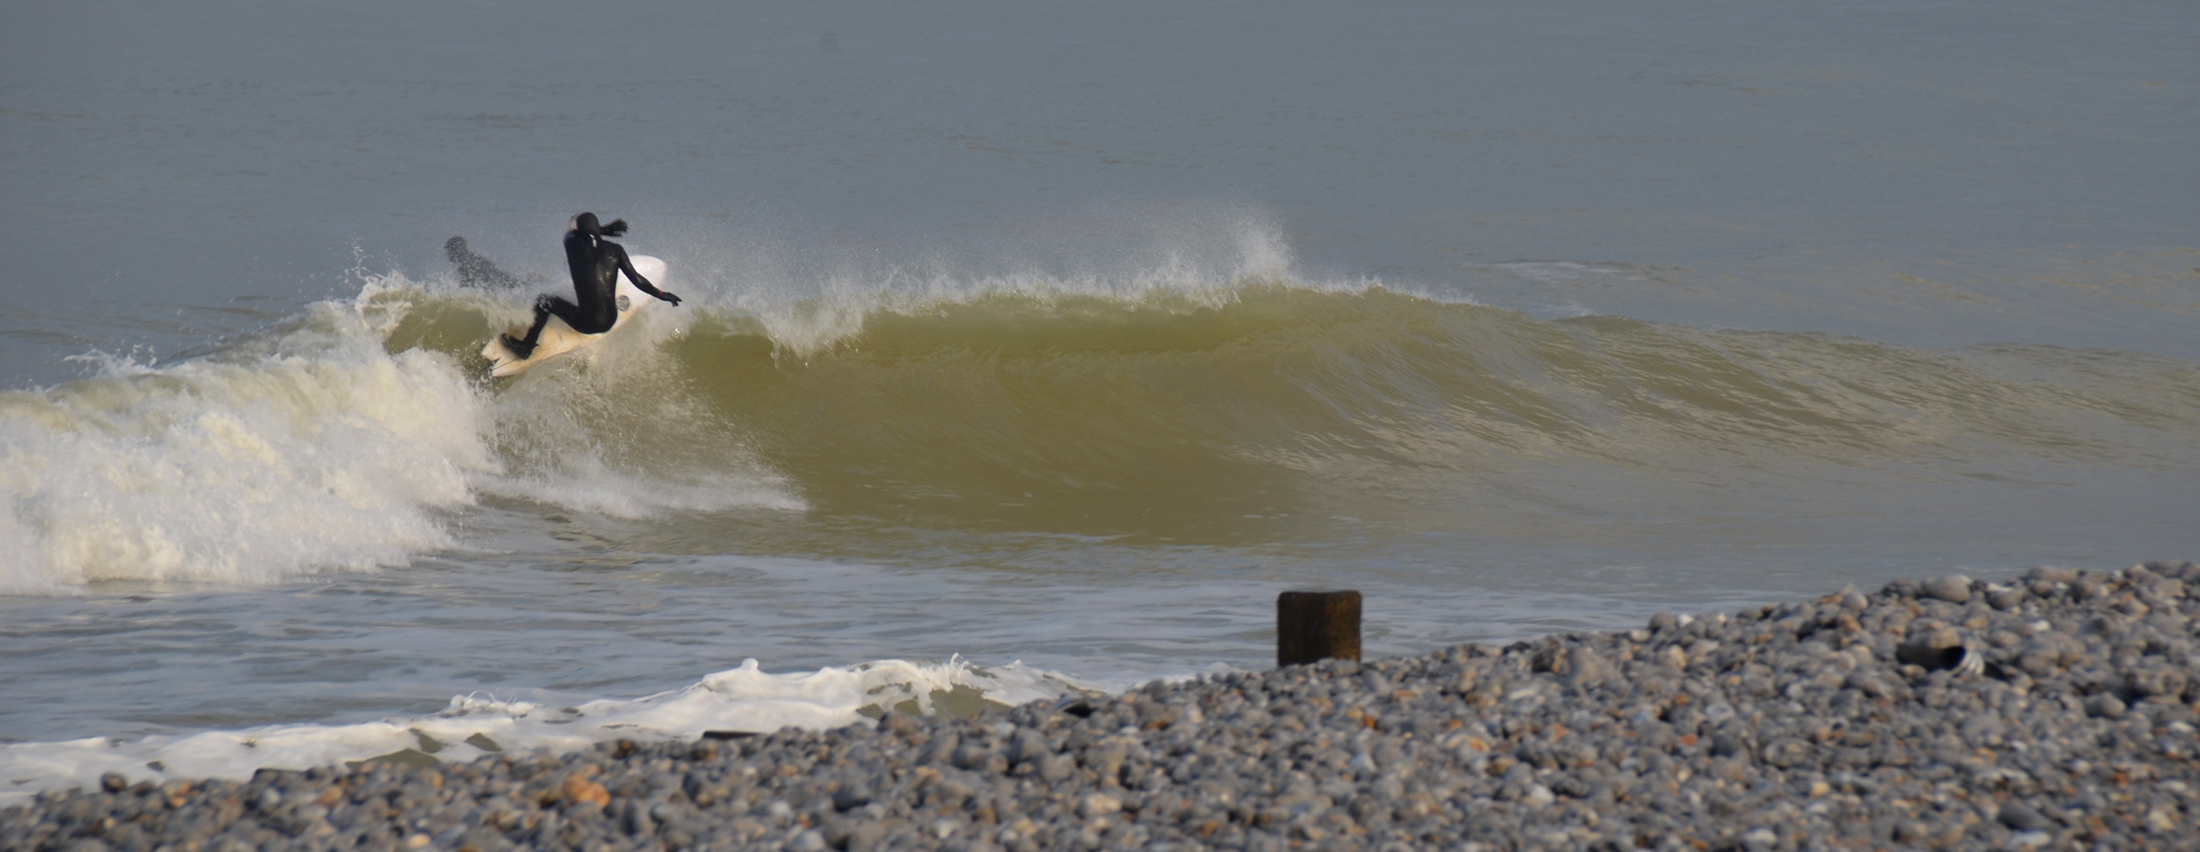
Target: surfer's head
(586,223)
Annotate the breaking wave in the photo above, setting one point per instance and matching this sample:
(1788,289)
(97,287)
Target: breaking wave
(1172,401)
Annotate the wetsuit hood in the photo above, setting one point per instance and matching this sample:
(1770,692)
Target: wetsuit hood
(587,225)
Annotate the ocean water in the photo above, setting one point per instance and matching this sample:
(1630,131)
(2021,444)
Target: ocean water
(1034,347)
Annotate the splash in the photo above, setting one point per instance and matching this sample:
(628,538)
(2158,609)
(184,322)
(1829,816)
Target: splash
(347,438)
(318,449)
(1180,260)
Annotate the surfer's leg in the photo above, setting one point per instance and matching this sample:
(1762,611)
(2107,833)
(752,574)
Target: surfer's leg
(545,306)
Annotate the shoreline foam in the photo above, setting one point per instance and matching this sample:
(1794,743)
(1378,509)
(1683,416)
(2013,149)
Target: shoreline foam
(2053,711)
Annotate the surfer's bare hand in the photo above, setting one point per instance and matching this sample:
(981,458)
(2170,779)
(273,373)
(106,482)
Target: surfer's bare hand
(675,300)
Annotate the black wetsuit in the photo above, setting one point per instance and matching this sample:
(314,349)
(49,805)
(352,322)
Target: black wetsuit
(595,263)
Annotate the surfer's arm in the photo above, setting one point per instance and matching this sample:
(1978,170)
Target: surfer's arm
(627,266)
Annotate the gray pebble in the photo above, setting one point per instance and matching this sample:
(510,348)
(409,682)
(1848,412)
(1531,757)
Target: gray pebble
(2019,817)
(1954,588)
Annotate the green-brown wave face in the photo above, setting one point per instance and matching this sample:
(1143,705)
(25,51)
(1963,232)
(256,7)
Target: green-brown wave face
(1269,410)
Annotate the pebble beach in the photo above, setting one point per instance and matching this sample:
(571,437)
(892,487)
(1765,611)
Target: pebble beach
(2050,711)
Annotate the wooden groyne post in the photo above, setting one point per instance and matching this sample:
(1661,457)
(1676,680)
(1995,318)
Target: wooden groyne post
(1314,626)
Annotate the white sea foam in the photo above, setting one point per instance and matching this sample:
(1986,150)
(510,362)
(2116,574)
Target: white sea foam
(317,450)
(741,699)
(311,447)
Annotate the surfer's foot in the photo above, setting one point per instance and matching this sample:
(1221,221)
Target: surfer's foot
(519,347)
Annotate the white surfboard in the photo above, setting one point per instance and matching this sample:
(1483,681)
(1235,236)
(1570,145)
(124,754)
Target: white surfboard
(558,338)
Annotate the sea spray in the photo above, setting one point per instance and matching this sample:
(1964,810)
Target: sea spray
(342,439)
(1174,264)
(318,450)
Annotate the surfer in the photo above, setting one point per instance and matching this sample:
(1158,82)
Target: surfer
(596,263)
